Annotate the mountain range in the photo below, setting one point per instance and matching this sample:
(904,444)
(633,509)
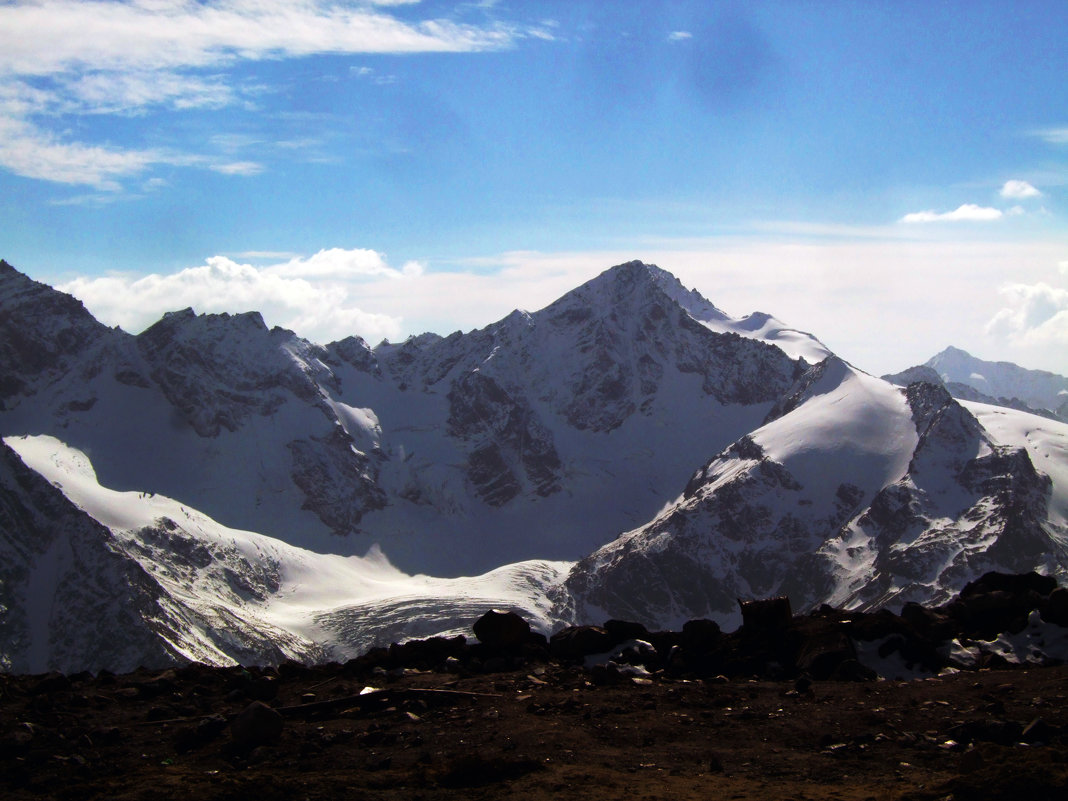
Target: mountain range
(213,489)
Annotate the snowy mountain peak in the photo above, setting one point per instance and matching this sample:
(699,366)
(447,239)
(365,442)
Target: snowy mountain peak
(636,283)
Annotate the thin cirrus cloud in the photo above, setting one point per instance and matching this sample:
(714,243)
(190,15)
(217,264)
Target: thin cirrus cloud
(969,212)
(238,168)
(69,57)
(1054,136)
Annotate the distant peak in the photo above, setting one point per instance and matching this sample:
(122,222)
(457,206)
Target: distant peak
(955,352)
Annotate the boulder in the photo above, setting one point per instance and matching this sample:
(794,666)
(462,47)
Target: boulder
(500,628)
(257,724)
(768,613)
(623,630)
(700,636)
(578,642)
(1055,608)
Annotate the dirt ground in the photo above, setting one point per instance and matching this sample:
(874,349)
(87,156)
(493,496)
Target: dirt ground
(543,731)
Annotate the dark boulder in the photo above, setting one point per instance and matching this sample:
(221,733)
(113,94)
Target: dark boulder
(768,613)
(623,630)
(700,636)
(1055,608)
(257,724)
(824,650)
(578,642)
(500,628)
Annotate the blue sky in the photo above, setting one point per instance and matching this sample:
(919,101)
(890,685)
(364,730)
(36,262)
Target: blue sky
(891,176)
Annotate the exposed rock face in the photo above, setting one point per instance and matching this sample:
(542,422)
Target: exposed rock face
(218,369)
(512,449)
(631,326)
(337,480)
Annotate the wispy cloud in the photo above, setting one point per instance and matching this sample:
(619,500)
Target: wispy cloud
(679,36)
(33,153)
(1055,136)
(104,57)
(969,212)
(1019,190)
(57,36)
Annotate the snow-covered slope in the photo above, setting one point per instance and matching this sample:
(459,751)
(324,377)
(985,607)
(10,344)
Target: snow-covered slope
(854,493)
(179,586)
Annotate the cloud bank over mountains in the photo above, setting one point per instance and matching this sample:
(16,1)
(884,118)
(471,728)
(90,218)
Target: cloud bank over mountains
(338,292)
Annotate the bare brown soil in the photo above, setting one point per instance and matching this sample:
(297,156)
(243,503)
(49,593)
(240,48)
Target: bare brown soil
(543,731)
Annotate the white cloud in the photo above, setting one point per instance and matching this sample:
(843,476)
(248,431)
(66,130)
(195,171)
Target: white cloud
(966,212)
(1018,190)
(1036,314)
(679,36)
(75,57)
(345,264)
(58,36)
(312,296)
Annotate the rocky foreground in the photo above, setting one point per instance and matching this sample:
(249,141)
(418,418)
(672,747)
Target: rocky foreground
(785,707)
